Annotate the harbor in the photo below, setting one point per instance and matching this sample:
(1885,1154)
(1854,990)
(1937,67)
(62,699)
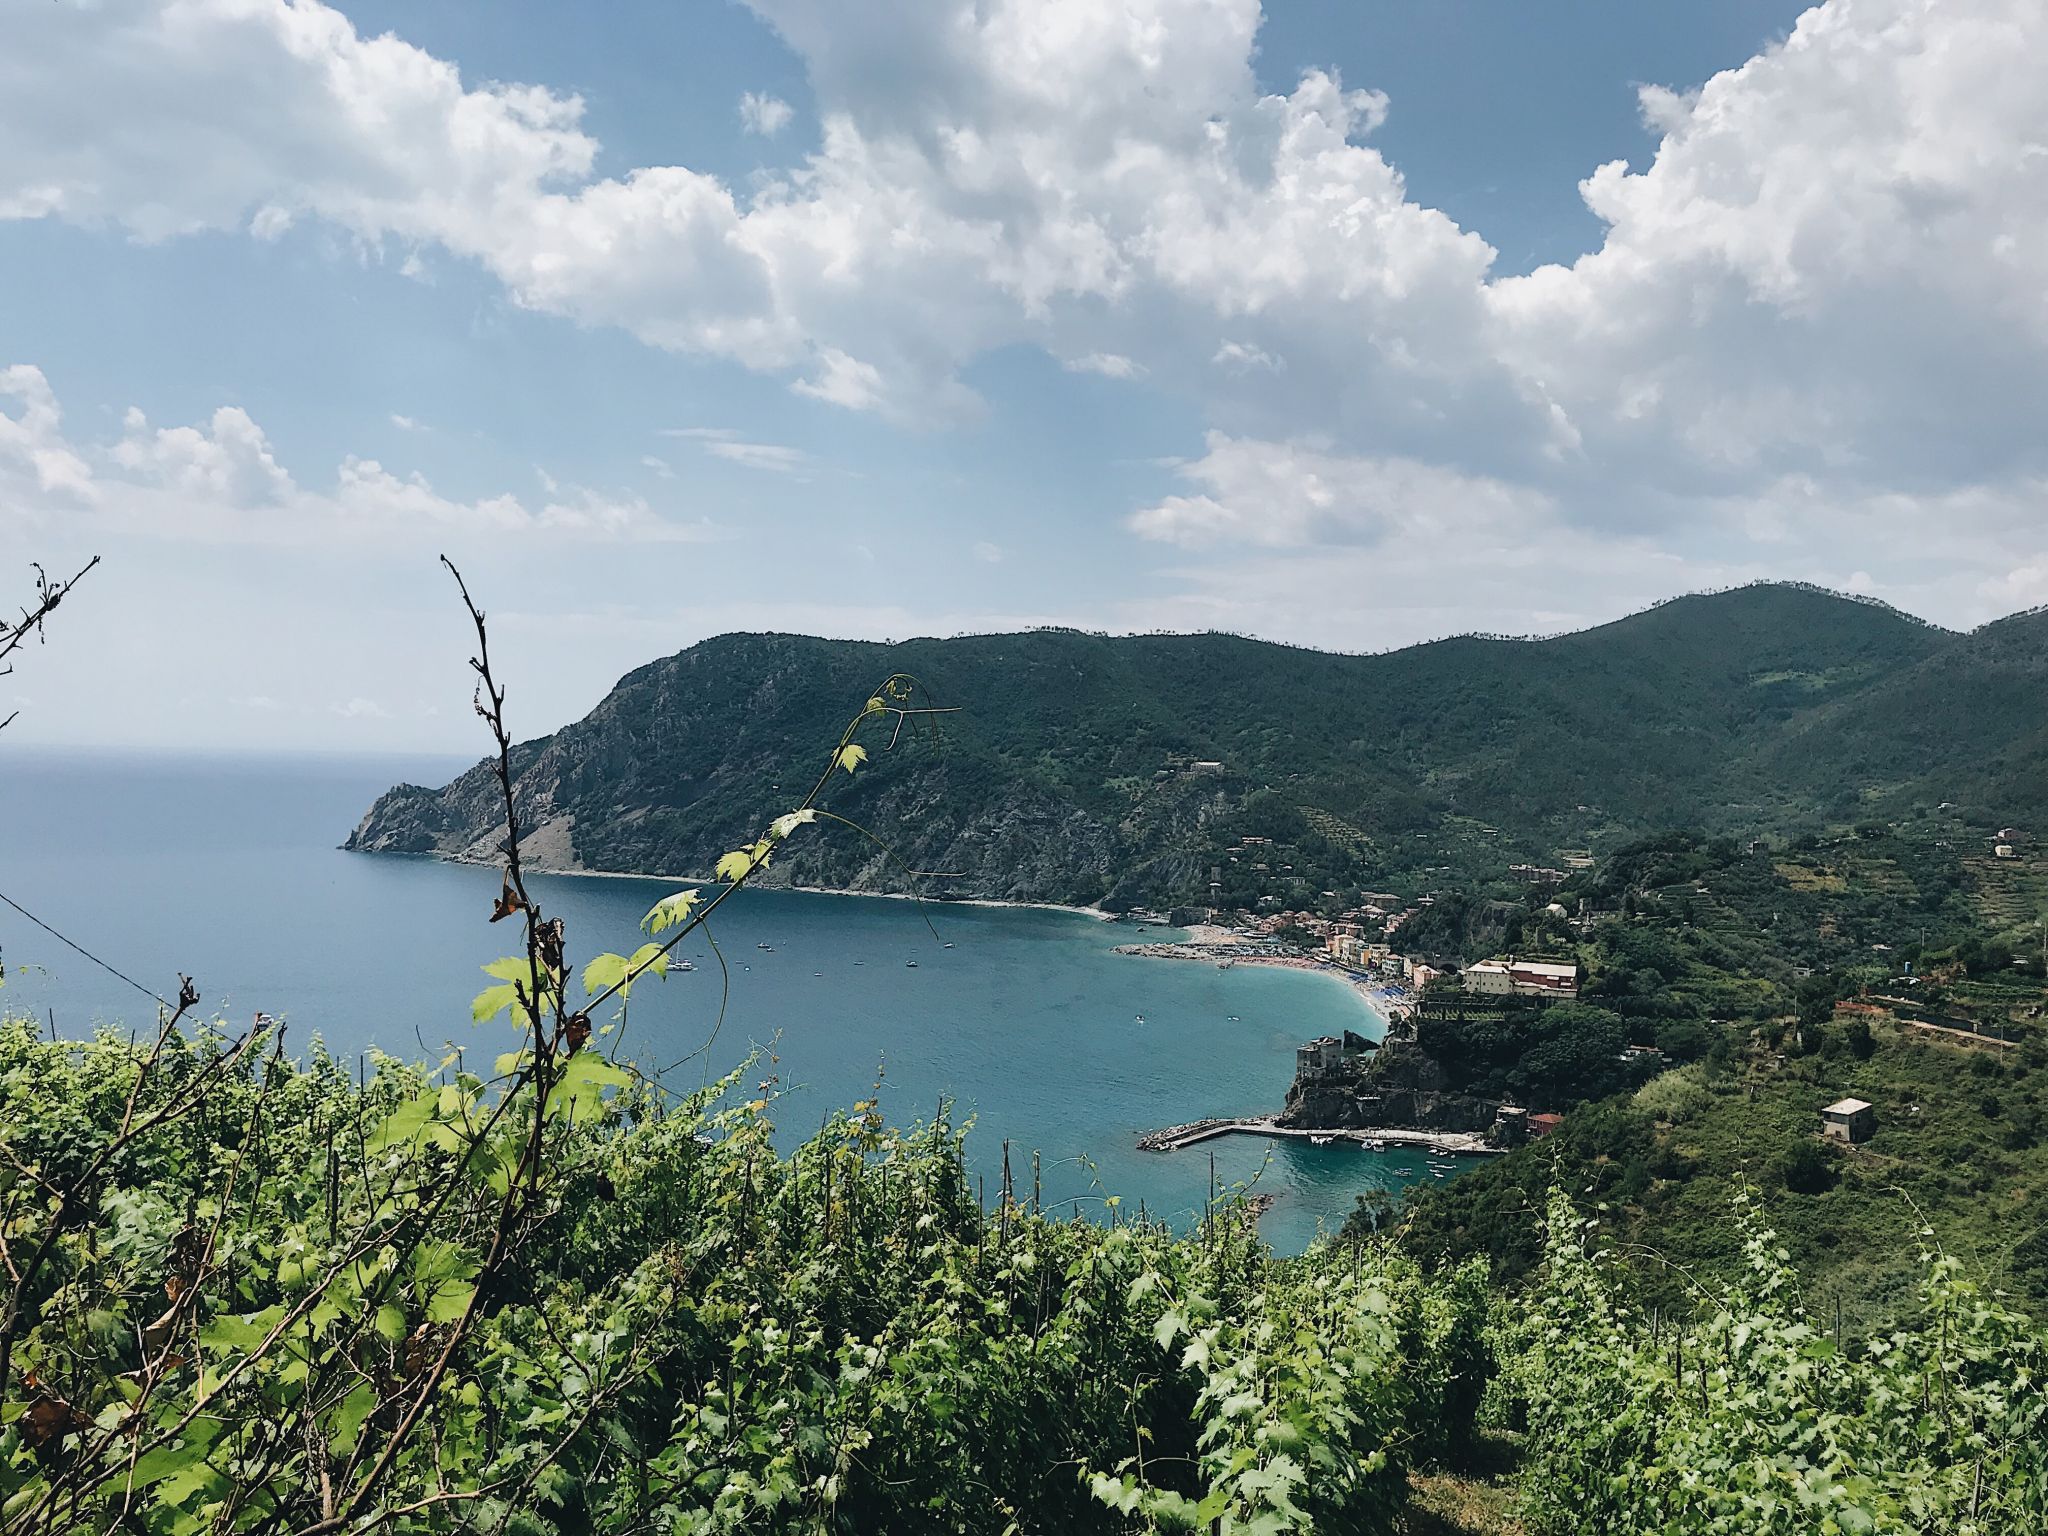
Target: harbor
(1384,1138)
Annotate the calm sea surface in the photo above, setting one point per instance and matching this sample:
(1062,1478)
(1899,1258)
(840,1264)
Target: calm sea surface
(227,869)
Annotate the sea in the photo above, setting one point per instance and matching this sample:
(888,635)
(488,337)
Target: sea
(226,869)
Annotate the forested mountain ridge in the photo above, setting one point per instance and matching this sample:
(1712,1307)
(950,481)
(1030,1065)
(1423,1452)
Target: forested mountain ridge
(1081,767)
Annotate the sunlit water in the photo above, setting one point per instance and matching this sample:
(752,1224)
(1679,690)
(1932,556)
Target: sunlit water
(227,870)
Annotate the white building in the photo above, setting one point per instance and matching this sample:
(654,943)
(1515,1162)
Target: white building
(1524,978)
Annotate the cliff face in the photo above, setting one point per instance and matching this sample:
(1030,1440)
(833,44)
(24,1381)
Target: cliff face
(1398,1085)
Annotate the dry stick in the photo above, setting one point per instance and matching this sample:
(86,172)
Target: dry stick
(13,635)
(543,954)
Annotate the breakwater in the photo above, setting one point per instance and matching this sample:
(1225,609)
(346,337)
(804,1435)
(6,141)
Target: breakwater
(1449,1143)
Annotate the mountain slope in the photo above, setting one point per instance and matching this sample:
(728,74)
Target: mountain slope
(1069,771)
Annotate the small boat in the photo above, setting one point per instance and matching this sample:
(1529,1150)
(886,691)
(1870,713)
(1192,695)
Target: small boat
(1141,1018)
(764,944)
(947,945)
(1320,1141)
(817,973)
(1377,1143)
(686,965)
(1439,1173)
(912,964)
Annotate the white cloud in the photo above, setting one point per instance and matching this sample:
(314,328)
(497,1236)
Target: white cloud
(1290,494)
(1243,357)
(220,481)
(227,461)
(406,423)
(359,709)
(660,466)
(987,553)
(1111,365)
(1819,303)
(724,443)
(33,452)
(763,114)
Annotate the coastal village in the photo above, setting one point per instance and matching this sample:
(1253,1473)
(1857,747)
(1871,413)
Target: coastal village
(1383,1094)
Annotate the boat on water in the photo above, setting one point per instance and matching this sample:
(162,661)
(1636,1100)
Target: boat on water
(947,945)
(764,944)
(1320,1141)
(911,964)
(1140,1018)
(1376,1143)
(685,965)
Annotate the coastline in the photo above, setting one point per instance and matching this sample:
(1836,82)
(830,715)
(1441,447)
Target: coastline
(810,890)
(1217,946)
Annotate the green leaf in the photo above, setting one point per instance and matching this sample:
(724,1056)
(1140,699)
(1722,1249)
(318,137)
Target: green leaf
(241,1334)
(448,1300)
(404,1123)
(391,1322)
(851,757)
(579,1091)
(604,972)
(736,866)
(349,1415)
(670,911)
(492,1001)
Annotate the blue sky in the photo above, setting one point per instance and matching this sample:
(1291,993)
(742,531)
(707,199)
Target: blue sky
(1348,324)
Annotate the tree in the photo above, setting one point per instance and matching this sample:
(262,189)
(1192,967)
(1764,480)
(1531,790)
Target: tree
(1807,1169)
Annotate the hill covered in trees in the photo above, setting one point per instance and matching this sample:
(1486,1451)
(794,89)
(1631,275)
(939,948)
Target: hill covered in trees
(1083,768)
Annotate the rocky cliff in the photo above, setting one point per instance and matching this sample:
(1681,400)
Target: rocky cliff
(1399,1085)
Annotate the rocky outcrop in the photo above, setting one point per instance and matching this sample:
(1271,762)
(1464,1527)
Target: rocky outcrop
(1399,1085)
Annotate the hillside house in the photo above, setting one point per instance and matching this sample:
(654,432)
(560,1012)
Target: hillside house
(1849,1121)
(1523,978)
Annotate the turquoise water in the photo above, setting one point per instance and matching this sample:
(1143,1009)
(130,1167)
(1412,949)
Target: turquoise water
(227,870)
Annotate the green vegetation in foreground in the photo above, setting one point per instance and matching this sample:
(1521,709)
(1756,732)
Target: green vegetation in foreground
(681,1331)
(300,1308)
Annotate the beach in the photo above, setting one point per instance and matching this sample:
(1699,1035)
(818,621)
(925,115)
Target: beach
(1220,946)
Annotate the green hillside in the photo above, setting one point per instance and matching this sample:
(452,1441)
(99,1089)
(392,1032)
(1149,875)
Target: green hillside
(1079,767)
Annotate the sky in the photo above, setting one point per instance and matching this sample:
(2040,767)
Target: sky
(1348,323)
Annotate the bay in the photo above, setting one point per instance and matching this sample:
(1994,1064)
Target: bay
(226,869)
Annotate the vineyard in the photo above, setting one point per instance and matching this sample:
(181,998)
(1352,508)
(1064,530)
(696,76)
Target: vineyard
(255,1295)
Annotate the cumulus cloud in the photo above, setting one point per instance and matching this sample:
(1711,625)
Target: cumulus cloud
(220,481)
(1817,307)
(1290,494)
(764,115)
(226,461)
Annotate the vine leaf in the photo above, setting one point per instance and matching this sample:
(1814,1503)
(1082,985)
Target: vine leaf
(670,911)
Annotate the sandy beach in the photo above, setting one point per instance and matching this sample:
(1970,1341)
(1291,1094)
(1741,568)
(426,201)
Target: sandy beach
(1220,946)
